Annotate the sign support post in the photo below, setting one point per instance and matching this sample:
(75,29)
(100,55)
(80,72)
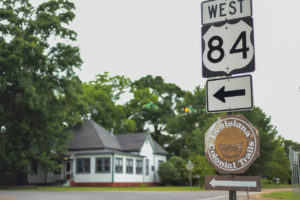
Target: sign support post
(191,179)
(190,166)
(232,193)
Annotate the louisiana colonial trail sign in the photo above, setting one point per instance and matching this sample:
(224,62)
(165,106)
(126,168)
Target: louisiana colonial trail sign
(231,144)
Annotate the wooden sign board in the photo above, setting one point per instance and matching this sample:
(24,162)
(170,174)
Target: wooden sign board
(235,183)
(231,144)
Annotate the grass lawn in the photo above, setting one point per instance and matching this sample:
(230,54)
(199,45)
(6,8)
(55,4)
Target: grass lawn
(280,195)
(266,186)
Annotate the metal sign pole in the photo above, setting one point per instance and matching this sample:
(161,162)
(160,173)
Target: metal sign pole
(189,166)
(191,179)
(298,178)
(232,193)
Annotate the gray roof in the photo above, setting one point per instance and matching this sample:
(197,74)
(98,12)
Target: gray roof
(132,141)
(91,136)
(101,151)
(159,149)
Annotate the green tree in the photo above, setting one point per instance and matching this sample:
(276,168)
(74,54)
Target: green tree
(102,96)
(279,166)
(173,171)
(180,163)
(289,143)
(187,130)
(38,85)
(272,162)
(201,168)
(163,98)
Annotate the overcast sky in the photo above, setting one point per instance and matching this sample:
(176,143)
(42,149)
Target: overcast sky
(163,38)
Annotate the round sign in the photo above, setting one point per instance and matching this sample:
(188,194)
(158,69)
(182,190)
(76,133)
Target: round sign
(232,144)
(189,166)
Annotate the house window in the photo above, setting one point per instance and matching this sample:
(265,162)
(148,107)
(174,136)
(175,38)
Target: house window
(119,165)
(139,167)
(103,165)
(83,165)
(147,166)
(159,162)
(129,166)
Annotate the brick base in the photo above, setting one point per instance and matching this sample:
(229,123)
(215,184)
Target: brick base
(118,184)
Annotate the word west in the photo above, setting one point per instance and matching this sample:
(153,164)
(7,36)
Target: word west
(222,10)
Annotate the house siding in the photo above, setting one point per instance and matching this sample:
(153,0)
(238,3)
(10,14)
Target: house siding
(43,177)
(157,159)
(93,176)
(122,179)
(147,151)
(125,177)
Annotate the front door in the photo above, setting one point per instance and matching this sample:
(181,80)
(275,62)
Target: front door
(68,169)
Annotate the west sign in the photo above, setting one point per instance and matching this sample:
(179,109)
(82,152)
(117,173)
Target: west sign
(231,144)
(222,10)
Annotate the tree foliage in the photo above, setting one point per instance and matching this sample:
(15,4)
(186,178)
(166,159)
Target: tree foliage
(101,97)
(173,171)
(273,161)
(201,168)
(163,95)
(37,84)
(187,130)
(169,174)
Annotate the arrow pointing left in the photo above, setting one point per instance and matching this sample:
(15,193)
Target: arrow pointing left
(231,183)
(236,183)
(221,93)
(229,94)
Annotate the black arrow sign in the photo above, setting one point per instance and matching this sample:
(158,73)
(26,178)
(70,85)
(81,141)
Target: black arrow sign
(221,93)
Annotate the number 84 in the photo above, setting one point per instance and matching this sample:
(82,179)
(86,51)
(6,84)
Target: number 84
(218,47)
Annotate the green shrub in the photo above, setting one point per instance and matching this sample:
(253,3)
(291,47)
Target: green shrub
(169,174)
(179,163)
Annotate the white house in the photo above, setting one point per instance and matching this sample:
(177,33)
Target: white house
(97,157)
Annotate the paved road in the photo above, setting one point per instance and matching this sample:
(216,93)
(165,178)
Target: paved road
(116,195)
